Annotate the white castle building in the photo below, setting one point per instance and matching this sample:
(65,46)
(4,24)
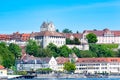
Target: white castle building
(48,35)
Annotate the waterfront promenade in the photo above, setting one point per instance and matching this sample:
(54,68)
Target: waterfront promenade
(61,75)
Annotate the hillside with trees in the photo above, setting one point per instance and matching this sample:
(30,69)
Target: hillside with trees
(8,54)
(96,50)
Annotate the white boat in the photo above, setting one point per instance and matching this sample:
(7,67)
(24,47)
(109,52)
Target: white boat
(3,77)
(13,76)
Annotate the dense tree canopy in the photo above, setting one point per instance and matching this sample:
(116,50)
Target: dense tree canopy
(7,59)
(96,50)
(77,52)
(101,51)
(91,37)
(74,41)
(69,67)
(65,51)
(54,49)
(32,48)
(16,50)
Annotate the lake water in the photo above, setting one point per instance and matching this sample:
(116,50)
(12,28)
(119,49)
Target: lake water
(71,79)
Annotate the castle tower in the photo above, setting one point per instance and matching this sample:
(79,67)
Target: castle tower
(47,26)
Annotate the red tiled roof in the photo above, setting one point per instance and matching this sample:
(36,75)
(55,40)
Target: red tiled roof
(4,37)
(1,67)
(47,33)
(102,32)
(98,32)
(62,60)
(68,35)
(27,57)
(98,60)
(25,36)
(116,33)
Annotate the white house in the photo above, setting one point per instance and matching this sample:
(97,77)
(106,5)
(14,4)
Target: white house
(3,72)
(53,64)
(28,63)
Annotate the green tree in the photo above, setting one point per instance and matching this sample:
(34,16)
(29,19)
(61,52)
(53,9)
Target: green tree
(101,50)
(16,50)
(57,30)
(67,31)
(65,51)
(7,58)
(77,32)
(54,49)
(77,52)
(76,41)
(44,70)
(47,53)
(68,41)
(91,37)
(69,67)
(87,54)
(32,48)
(118,52)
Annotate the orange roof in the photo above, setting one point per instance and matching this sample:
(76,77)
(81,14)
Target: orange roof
(88,60)
(26,34)
(1,67)
(62,60)
(76,35)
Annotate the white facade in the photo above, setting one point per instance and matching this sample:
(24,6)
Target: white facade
(31,65)
(110,67)
(35,64)
(80,47)
(48,35)
(46,40)
(53,64)
(20,43)
(91,68)
(57,40)
(104,36)
(60,67)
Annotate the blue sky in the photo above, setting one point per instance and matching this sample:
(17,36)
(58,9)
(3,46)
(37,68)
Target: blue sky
(76,15)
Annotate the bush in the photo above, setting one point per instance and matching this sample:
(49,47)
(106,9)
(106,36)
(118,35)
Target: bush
(110,46)
(21,72)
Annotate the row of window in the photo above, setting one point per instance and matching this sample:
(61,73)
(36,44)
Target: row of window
(51,37)
(88,64)
(103,64)
(87,68)
(118,68)
(57,42)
